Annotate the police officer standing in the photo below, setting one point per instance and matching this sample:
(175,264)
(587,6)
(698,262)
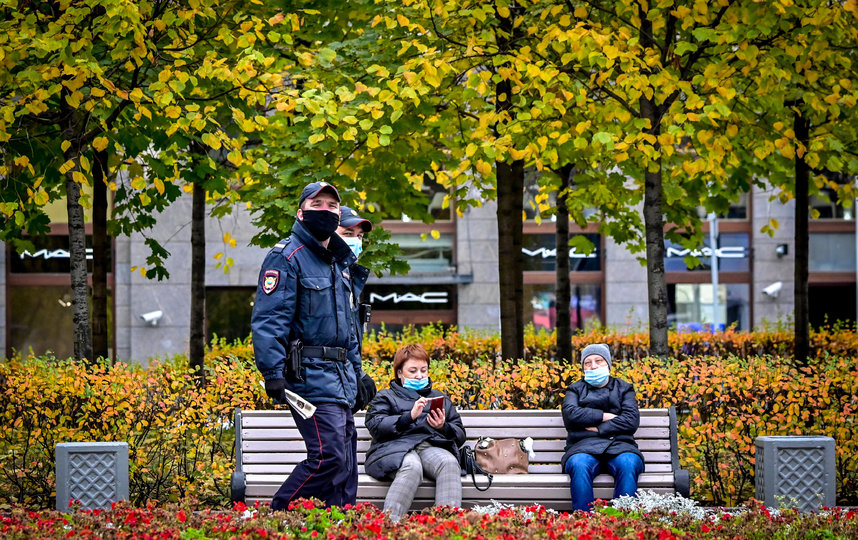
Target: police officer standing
(352,230)
(304,340)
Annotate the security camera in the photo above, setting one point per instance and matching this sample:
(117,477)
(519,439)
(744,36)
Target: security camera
(774,289)
(152,317)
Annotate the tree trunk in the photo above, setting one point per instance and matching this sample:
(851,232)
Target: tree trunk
(77,261)
(510,193)
(100,246)
(654,220)
(562,288)
(198,284)
(802,179)
(510,180)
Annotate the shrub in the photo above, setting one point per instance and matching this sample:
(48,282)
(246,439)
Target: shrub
(181,437)
(469,346)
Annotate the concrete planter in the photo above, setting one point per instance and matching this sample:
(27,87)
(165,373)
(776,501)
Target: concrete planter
(796,472)
(94,473)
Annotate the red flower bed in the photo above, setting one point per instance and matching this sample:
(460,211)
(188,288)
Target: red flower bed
(308,519)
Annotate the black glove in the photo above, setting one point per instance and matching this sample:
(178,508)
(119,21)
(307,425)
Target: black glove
(276,389)
(366,390)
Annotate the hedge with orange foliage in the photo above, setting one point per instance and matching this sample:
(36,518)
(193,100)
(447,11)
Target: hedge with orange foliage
(182,443)
(467,346)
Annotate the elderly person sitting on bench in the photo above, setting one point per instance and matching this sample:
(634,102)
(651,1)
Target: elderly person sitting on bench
(601,416)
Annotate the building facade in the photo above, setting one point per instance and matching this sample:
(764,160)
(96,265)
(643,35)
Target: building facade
(453,279)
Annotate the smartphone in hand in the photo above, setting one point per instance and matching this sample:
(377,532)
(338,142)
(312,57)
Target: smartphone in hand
(436,403)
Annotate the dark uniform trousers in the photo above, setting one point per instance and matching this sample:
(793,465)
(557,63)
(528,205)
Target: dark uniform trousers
(330,471)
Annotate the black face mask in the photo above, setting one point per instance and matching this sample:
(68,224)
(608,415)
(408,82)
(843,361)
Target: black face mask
(321,223)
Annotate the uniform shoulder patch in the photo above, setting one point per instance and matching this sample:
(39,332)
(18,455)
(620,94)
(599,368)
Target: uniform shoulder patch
(270,280)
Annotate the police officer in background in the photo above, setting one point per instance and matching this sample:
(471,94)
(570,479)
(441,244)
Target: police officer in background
(304,340)
(352,230)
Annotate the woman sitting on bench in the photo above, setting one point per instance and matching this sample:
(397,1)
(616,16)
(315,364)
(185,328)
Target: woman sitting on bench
(410,438)
(601,416)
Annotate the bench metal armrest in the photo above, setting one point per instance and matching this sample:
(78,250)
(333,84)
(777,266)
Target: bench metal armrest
(238,486)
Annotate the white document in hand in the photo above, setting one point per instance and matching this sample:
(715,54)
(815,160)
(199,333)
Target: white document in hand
(301,405)
(304,407)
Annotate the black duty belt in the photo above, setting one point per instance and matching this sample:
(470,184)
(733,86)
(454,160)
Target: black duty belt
(328,353)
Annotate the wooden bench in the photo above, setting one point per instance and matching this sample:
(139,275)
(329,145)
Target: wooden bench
(268,446)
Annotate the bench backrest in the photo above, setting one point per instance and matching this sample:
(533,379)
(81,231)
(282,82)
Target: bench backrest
(269,442)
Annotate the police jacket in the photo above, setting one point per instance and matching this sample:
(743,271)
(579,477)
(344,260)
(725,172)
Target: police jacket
(394,433)
(305,292)
(583,407)
(359,276)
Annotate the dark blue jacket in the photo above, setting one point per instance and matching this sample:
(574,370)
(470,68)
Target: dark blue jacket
(305,292)
(583,407)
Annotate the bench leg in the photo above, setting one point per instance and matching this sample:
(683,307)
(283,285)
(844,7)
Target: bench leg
(682,481)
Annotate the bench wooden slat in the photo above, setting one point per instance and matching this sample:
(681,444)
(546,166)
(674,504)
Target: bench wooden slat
(539,446)
(514,499)
(534,468)
(370,488)
(536,413)
(492,419)
(274,434)
(551,459)
(284,451)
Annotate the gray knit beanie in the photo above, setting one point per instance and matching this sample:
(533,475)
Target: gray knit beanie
(597,348)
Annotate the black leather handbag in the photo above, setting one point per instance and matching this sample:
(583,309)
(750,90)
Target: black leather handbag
(468,462)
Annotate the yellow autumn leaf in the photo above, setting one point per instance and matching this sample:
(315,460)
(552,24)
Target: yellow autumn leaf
(80,178)
(235,158)
(484,168)
(41,198)
(100,143)
(138,182)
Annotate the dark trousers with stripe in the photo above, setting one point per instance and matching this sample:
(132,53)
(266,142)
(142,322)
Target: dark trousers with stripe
(330,471)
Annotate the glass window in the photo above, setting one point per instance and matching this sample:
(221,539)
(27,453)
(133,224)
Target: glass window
(540,254)
(409,297)
(426,255)
(826,204)
(228,311)
(540,306)
(831,302)
(732,253)
(831,252)
(690,305)
(50,256)
(41,320)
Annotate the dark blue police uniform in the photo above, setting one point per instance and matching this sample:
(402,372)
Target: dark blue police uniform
(306,292)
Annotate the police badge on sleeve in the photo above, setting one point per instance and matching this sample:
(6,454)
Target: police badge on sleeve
(270,280)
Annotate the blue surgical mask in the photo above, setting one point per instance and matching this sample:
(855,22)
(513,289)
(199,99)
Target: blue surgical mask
(415,384)
(598,376)
(355,243)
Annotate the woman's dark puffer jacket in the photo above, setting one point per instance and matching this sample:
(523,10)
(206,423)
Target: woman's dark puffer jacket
(394,433)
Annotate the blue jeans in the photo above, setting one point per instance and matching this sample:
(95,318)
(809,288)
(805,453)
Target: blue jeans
(583,468)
